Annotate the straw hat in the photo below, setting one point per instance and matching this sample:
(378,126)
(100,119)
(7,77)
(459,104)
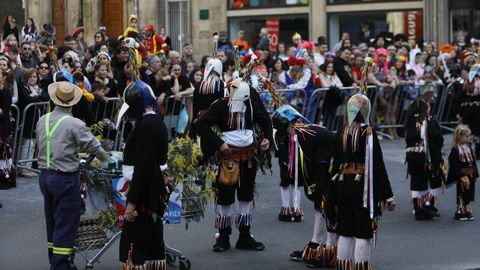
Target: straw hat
(64,94)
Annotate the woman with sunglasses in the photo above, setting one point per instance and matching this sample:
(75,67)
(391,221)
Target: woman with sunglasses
(45,77)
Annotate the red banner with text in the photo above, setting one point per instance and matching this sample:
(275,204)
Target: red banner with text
(273,26)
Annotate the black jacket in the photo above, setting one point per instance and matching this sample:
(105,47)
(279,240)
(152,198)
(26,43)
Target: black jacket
(146,149)
(218,114)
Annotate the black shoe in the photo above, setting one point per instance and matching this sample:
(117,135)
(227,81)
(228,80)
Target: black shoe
(458,214)
(432,210)
(421,214)
(285,218)
(296,255)
(246,241)
(297,218)
(469,216)
(222,243)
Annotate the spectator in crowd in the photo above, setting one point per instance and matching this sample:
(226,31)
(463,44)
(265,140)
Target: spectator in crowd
(71,42)
(154,64)
(26,56)
(224,44)
(342,68)
(82,110)
(196,78)
(101,76)
(45,77)
(67,66)
(358,63)
(77,34)
(191,66)
(118,63)
(242,44)
(264,42)
(131,30)
(29,31)
(417,66)
(174,57)
(187,57)
(281,52)
(7,169)
(278,74)
(328,77)
(10,27)
(155,43)
(222,55)
(99,38)
(345,35)
(299,76)
(321,50)
(228,71)
(29,92)
(388,94)
(204,61)
(165,37)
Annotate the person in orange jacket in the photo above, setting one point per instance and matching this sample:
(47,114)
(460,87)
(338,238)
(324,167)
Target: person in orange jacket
(155,43)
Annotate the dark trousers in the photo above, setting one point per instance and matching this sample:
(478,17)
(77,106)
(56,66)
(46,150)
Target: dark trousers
(244,188)
(61,196)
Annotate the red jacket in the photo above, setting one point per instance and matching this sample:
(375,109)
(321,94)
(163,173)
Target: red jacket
(156,45)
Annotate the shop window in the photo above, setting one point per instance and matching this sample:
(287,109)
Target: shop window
(364,26)
(286,28)
(464,22)
(361,1)
(246,4)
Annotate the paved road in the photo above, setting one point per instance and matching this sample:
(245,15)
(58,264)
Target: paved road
(402,242)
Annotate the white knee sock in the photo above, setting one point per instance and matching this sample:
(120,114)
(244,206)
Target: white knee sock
(318,227)
(286,198)
(224,210)
(332,239)
(363,250)
(296,194)
(224,216)
(244,214)
(345,248)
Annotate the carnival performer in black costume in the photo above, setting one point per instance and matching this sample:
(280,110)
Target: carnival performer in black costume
(210,89)
(141,243)
(228,127)
(463,172)
(469,110)
(360,184)
(425,163)
(304,151)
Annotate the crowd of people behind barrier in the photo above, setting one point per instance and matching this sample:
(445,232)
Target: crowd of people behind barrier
(402,72)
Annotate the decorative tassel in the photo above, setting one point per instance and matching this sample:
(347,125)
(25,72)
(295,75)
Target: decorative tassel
(344,265)
(285,210)
(223,222)
(311,251)
(296,212)
(243,219)
(330,256)
(363,266)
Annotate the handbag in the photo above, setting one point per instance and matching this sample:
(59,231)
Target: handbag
(229,172)
(182,120)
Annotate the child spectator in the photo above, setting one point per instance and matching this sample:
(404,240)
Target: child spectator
(463,171)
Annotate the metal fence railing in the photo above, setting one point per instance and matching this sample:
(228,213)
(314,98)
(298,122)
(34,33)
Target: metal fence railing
(319,109)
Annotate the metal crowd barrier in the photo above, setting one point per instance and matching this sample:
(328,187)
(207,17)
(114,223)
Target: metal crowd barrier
(15,114)
(447,114)
(25,145)
(26,139)
(295,97)
(170,111)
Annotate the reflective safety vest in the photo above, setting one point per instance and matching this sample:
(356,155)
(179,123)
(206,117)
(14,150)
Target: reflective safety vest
(49,133)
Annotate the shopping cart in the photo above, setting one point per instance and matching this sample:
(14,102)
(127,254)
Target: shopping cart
(187,202)
(99,227)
